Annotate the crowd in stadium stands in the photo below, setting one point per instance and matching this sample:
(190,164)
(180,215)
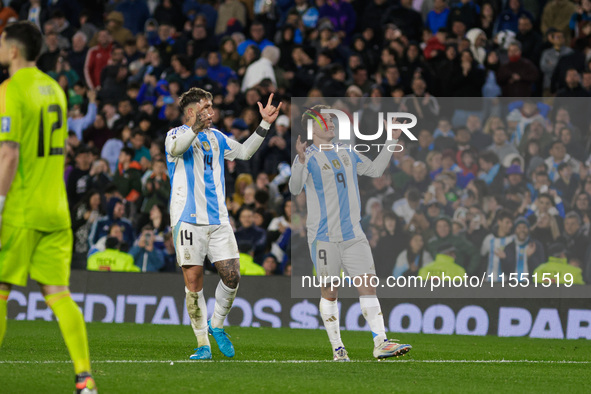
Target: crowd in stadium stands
(504,190)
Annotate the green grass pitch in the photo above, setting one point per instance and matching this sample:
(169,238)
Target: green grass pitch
(130,358)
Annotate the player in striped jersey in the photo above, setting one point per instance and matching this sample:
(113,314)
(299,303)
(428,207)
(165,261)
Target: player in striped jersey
(336,240)
(195,155)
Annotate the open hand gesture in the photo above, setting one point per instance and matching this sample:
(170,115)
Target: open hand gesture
(270,112)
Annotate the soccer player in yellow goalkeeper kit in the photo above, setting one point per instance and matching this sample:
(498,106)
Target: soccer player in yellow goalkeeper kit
(35,230)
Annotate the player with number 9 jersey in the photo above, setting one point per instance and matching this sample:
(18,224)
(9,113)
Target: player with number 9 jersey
(328,173)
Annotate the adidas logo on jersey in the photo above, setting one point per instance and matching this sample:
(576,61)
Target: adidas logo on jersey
(326,167)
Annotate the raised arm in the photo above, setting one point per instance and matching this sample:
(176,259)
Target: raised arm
(251,145)
(178,142)
(376,168)
(299,171)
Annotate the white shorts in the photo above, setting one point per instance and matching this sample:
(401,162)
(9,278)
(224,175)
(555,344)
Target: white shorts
(354,256)
(193,242)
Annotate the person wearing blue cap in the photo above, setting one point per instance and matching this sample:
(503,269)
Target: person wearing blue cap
(522,255)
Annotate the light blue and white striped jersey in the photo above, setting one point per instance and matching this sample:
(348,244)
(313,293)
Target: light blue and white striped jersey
(490,244)
(198,192)
(332,193)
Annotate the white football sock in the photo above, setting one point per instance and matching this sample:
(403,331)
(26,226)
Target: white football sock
(224,298)
(370,307)
(197,309)
(329,311)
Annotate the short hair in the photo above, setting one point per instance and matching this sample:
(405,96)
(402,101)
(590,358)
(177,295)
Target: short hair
(27,35)
(413,194)
(82,35)
(574,215)
(128,151)
(112,243)
(309,114)
(517,44)
(504,214)
(183,60)
(489,157)
(556,142)
(137,132)
(192,96)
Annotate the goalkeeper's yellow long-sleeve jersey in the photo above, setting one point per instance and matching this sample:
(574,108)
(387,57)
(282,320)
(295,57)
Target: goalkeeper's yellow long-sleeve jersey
(33,113)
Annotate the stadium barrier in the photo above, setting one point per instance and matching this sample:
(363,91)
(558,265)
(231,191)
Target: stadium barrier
(111,297)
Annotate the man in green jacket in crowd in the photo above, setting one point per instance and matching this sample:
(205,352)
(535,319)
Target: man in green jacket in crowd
(247,265)
(111,259)
(444,265)
(557,265)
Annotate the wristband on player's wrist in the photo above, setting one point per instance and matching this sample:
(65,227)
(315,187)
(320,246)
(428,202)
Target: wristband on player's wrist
(2,199)
(263,128)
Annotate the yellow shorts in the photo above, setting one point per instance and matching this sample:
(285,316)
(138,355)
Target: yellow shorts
(46,256)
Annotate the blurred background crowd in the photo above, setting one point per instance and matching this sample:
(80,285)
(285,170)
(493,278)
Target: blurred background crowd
(477,164)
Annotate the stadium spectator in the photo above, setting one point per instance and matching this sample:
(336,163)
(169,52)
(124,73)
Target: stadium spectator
(466,254)
(251,234)
(531,40)
(516,77)
(572,86)
(7,14)
(508,19)
(437,17)
(257,34)
(248,266)
(77,121)
(135,14)
(523,254)
(494,243)
(103,226)
(111,259)
(88,210)
(128,175)
(443,265)
(575,240)
(145,255)
(412,258)
(261,69)
(551,55)
(501,147)
(77,53)
(557,14)
(97,58)
(557,156)
(77,182)
(558,264)
(270,265)
(157,187)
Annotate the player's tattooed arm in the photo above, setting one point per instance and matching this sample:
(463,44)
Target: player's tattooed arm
(229,271)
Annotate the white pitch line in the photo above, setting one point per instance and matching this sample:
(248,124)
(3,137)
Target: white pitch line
(407,360)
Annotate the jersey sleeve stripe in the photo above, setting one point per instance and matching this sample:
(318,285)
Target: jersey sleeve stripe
(3,98)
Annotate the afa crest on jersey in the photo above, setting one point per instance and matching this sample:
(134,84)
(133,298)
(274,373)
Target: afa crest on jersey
(336,164)
(206,146)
